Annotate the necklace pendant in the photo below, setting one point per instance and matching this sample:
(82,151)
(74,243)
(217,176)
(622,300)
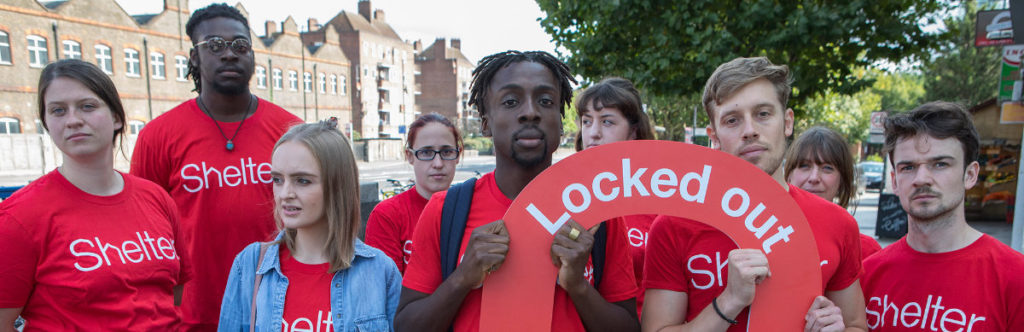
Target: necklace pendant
(230,145)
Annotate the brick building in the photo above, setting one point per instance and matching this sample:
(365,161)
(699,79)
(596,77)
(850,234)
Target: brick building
(442,83)
(382,69)
(146,56)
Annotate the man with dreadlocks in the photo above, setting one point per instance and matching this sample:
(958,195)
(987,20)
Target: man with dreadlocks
(521,97)
(212,154)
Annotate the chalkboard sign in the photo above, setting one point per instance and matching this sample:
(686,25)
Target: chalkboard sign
(892,220)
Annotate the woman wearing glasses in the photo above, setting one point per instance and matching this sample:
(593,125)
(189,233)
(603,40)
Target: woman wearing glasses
(433,149)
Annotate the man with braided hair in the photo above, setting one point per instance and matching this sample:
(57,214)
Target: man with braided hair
(212,154)
(521,97)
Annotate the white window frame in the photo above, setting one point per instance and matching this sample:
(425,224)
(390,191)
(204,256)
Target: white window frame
(5,49)
(277,79)
(135,126)
(104,61)
(70,51)
(293,80)
(131,63)
(322,80)
(307,82)
(344,85)
(157,65)
(8,123)
(38,55)
(334,84)
(261,77)
(181,66)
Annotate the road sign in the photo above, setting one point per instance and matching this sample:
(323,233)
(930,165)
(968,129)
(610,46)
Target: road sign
(877,122)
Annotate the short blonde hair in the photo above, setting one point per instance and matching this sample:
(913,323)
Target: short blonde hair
(340,189)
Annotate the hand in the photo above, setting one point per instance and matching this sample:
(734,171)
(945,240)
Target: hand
(486,250)
(823,316)
(571,256)
(747,269)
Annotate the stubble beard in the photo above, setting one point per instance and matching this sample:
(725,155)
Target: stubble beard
(530,162)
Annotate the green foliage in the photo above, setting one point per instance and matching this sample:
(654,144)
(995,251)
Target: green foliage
(674,113)
(850,114)
(961,72)
(482,144)
(874,157)
(670,48)
(569,126)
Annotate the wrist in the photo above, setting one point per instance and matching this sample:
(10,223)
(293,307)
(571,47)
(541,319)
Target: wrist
(729,305)
(727,318)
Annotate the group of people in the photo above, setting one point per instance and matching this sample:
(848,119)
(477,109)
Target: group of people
(236,216)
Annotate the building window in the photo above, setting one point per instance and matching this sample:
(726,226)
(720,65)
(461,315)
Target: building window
(261,77)
(37,52)
(307,82)
(344,85)
(5,48)
(131,62)
(9,126)
(72,50)
(385,74)
(334,84)
(322,80)
(156,64)
(135,126)
(277,79)
(293,80)
(181,65)
(104,60)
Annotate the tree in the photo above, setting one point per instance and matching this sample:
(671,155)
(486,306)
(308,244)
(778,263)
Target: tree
(669,48)
(961,72)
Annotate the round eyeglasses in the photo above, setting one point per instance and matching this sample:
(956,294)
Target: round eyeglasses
(428,154)
(216,45)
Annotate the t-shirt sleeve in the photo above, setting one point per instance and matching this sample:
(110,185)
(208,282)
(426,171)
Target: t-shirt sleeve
(663,268)
(618,282)
(18,265)
(850,267)
(382,232)
(149,161)
(423,273)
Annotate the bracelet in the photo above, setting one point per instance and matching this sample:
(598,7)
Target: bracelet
(714,303)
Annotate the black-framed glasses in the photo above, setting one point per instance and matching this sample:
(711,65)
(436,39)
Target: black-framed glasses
(217,45)
(428,154)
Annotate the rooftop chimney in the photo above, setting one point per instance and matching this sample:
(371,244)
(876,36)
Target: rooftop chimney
(457,43)
(378,15)
(312,24)
(365,9)
(271,28)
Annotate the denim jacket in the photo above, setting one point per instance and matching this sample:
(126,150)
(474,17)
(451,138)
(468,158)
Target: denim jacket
(364,297)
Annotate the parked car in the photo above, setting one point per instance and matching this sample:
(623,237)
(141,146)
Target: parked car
(869,175)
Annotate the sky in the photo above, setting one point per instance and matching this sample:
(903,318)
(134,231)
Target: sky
(485,26)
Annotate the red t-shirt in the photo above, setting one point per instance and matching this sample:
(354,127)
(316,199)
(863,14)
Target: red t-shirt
(391,224)
(307,304)
(637,228)
(225,197)
(692,257)
(77,261)
(423,274)
(868,246)
(977,288)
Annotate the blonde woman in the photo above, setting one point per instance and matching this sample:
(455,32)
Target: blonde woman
(316,274)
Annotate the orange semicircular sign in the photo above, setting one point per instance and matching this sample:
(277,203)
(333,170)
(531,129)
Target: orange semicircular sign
(653,177)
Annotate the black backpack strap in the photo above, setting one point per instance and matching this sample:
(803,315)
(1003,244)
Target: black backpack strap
(454,214)
(597,252)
